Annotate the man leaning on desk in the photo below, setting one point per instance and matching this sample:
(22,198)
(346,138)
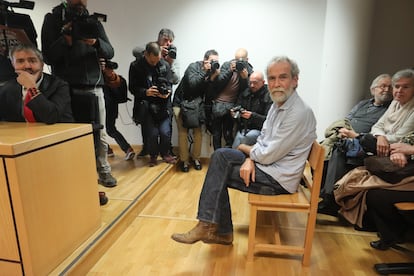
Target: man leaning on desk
(34,96)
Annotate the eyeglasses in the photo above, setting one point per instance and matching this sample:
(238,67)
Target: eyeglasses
(383,86)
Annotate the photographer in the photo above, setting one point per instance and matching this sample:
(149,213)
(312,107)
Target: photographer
(169,54)
(115,92)
(150,82)
(191,91)
(228,85)
(253,104)
(21,22)
(73,42)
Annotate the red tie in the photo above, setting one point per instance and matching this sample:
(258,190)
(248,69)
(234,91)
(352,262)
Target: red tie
(28,114)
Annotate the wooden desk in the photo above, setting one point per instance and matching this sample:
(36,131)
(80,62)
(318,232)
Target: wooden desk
(49,200)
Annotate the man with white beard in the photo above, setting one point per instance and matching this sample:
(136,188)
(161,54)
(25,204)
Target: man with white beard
(274,165)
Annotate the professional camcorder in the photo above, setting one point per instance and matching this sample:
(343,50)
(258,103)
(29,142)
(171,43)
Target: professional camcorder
(21,4)
(237,111)
(240,65)
(172,51)
(84,26)
(215,65)
(162,85)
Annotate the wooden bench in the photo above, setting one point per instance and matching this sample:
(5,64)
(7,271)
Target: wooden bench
(301,201)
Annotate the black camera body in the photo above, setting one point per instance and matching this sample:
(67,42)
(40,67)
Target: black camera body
(111,64)
(22,4)
(215,65)
(237,111)
(172,51)
(163,86)
(240,65)
(85,26)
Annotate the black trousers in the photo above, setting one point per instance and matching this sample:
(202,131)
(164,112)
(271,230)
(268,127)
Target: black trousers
(390,223)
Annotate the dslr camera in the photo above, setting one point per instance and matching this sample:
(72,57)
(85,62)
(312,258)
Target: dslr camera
(172,51)
(163,86)
(237,111)
(215,65)
(240,65)
(111,64)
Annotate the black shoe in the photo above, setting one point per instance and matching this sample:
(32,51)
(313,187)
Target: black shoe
(184,167)
(328,209)
(197,165)
(381,245)
(142,153)
(103,199)
(365,228)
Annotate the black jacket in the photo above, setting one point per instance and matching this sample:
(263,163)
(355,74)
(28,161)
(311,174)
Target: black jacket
(53,105)
(142,76)
(194,84)
(77,64)
(258,103)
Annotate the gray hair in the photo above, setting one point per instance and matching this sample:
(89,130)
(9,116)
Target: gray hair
(294,69)
(405,73)
(166,32)
(377,79)
(26,47)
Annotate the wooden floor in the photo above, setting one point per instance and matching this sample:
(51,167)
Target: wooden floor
(144,246)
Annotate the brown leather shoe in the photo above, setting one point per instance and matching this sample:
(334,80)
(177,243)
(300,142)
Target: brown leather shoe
(225,239)
(202,231)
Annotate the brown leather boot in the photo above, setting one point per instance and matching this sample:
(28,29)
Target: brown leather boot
(225,239)
(202,231)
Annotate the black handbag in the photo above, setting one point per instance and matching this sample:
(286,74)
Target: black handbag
(385,169)
(192,113)
(139,111)
(220,109)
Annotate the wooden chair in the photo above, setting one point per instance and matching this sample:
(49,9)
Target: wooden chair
(300,201)
(397,268)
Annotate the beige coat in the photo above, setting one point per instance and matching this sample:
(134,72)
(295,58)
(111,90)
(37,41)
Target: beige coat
(350,192)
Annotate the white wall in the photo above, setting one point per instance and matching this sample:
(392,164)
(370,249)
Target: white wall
(330,40)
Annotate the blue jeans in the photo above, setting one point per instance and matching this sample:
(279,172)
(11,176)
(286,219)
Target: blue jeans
(223,173)
(249,137)
(158,135)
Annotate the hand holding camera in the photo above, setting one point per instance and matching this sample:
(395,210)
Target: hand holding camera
(213,69)
(240,66)
(160,88)
(237,111)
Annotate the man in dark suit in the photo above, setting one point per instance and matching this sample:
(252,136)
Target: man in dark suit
(33,96)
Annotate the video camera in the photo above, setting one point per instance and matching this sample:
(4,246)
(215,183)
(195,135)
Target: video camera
(22,4)
(162,85)
(85,26)
(172,51)
(237,111)
(240,65)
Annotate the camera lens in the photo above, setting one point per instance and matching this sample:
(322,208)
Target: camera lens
(214,65)
(172,52)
